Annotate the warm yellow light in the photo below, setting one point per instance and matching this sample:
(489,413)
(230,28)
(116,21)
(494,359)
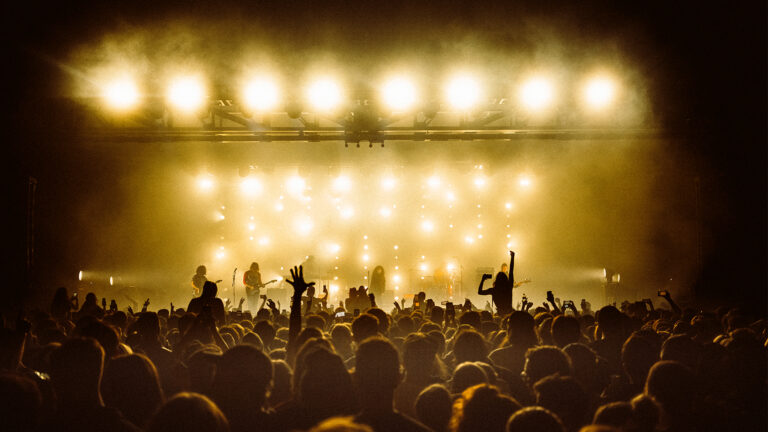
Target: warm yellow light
(186,94)
(450,267)
(251,227)
(324,94)
(342,184)
(599,92)
(334,248)
(347,212)
(423,267)
(508,206)
(388,183)
(334,288)
(295,185)
(279,207)
(399,93)
(537,94)
(261,94)
(366,258)
(428,226)
(263,241)
(250,186)
(80,275)
(385,212)
(111,281)
(479,182)
(396,278)
(121,94)
(524,181)
(220,255)
(205,183)
(304,226)
(433,181)
(469,239)
(463,92)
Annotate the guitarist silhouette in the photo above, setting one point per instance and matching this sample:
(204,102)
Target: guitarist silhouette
(253,285)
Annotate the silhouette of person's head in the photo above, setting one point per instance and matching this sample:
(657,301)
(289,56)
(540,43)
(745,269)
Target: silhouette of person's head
(645,413)
(364,326)
(419,356)
(482,407)
(673,386)
(189,412)
(325,387)
(565,397)
(242,369)
(200,270)
(544,361)
(76,370)
(340,424)
(131,384)
(470,346)
(341,336)
(281,383)
(609,321)
(534,419)
(433,407)
(466,375)
(254,266)
(472,318)
(681,348)
(20,403)
(521,330)
(637,356)
(209,289)
(377,371)
(616,414)
(565,330)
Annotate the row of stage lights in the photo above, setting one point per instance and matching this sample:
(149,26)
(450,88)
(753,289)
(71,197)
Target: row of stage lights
(189,93)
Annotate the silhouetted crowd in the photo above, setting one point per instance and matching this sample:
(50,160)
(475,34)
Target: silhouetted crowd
(419,367)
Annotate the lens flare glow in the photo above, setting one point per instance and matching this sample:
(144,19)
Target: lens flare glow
(427,226)
(385,212)
(524,182)
(186,94)
(537,94)
(347,212)
(399,93)
(433,181)
(324,94)
(463,92)
(599,92)
(251,186)
(480,182)
(261,94)
(80,275)
(304,226)
(295,185)
(205,183)
(121,94)
(342,184)
(388,183)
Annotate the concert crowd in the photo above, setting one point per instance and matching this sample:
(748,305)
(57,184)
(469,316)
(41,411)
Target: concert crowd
(361,366)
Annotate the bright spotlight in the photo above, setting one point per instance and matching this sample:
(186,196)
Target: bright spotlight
(599,92)
(463,92)
(399,93)
(508,206)
(111,281)
(186,94)
(220,254)
(304,226)
(334,248)
(250,186)
(428,226)
(295,185)
(80,275)
(433,181)
(334,288)
(342,184)
(450,196)
(537,94)
(260,94)
(423,267)
(385,212)
(479,182)
(279,207)
(469,239)
(205,183)
(347,212)
(366,258)
(388,183)
(121,94)
(450,267)
(324,94)
(396,278)
(524,181)
(263,241)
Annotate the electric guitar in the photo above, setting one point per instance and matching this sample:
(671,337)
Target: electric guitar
(521,283)
(254,289)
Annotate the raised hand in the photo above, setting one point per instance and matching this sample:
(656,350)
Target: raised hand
(297,282)
(372,298)
(242,300)
(550,297)
(271,304)
(130,310)
(227,303)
